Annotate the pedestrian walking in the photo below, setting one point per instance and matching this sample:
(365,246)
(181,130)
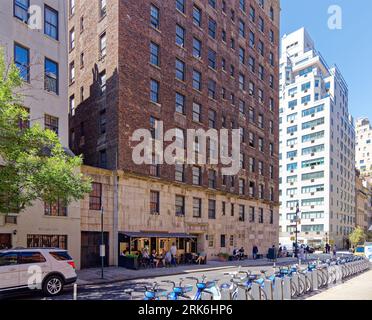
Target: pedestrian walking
(173,251)
(255,252)
(334,250)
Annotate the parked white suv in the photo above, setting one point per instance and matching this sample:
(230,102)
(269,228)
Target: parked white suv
(46,269)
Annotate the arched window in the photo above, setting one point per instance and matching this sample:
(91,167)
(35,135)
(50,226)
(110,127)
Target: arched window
(271,13)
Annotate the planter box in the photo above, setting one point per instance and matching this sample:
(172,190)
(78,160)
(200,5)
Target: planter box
(128,263)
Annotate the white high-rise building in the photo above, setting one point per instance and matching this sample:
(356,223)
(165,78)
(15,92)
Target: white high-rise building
(363,154)
(317,148)
(34,35)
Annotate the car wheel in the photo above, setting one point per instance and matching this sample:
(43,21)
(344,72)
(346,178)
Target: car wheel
(53,286)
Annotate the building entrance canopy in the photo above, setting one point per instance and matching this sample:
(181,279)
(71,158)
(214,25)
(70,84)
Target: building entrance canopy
(157,235)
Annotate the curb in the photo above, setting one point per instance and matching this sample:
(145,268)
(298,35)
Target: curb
(98,282)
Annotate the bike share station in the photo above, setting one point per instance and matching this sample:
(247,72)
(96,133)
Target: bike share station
(291,282)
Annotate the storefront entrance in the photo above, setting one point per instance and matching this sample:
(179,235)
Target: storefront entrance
(90,243)
(5,241)
(136,242)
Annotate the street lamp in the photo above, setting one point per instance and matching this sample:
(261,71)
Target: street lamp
(297,220)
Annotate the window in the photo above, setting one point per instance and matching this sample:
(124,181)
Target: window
(241,28)
(51,123)
(312,228)
(103,159)
(196,80)
(180,36)
(95,197)
(251,189)
(241,55)
(313,176)
(179,172)
(154,19)
(154,202)
(72,7)
(102,80)
(103,8)
(260,168)
(251,64)
(212,58)
(241,213)
(82,60)
(103,45)
(197,207)
(58,209)
(51,76)
(261,24)
(242,5)
(212,179)
(261,72)
(223,240)
(271,13)
(312,163)
(212,26)
(212,115)
(251,139)
(252,164)
(22,61)
(271,59)
(72,105)
(251,39)
(21,8)
(313,123)
(251,214)
(196,112)
(196,176)
(212,3)
(180,70)
(154,91)
(47,241)
(211,209)
(314,149)
(81,24)
(252,14)
(241,186)
(196,48)
(197,16)
(154,54)
(180,206)
(272,36)
(180,103)
(261,216)
(72,39)
(261,48)
(212,89)
(72,72)
(180,5)
(51,22)
(102,122)
(242,107)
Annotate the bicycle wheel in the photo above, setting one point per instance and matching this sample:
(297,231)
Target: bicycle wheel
(308,284)
(293,290)
(301,285)
(263,295)
(320,279)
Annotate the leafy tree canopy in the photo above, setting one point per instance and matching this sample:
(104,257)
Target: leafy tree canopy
(33,163)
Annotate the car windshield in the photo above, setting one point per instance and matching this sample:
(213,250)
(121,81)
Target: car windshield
(359,249)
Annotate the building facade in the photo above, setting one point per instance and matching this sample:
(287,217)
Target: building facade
(362,202)
(191,65)
(363,154)
(317,148)
(38,46)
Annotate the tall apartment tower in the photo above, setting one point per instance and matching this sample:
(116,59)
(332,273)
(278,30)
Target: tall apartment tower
(363,153)
(317,148)
(193,65)
(39,48)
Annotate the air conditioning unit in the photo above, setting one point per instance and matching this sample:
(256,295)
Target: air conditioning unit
(312,207)
(292,209)
(292,196)
(312,141)
(312,220)
(312,167)
(312,180)
(292,171)
(313,115)
(313,154)
(313,128)
(292,121)
(313,193)
(292,96)
(306,91)
(292,134)
(292,183)
(292,147)
(292,159)
(305,103)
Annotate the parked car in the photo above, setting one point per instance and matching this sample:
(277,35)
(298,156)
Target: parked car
(45,269)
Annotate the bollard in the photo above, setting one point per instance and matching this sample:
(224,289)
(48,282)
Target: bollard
(256,291)
(314,280)
(268,289)
(278,290)
(242,294)
(75,291)
(287,288)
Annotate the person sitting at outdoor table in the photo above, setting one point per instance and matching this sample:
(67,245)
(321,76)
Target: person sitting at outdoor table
(241,253)
(201,258)
(159,259)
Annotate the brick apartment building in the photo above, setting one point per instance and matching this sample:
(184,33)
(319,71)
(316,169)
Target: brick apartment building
(191,64)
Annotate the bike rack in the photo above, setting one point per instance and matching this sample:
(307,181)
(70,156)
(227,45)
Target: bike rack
(286,284)
(278,289)
(314,280)
(268,289)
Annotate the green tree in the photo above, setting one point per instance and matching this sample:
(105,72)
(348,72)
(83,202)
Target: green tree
(358,236)
(33,163)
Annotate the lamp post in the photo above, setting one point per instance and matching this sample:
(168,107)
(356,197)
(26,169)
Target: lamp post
(102,247)
(297,220)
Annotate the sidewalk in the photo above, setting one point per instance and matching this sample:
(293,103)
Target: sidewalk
(358,288)
(117,274)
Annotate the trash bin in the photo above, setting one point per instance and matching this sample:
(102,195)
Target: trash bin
(272,254)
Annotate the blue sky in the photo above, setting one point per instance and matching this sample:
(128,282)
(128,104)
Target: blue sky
(350,48)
